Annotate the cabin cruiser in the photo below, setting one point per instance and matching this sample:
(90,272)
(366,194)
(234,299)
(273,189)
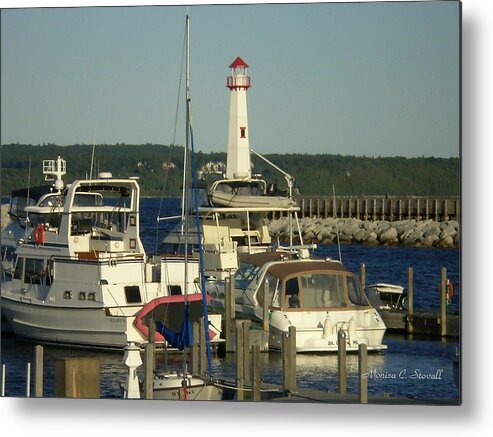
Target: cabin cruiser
(17,226)
(82,274)
(319,297)
(385,296)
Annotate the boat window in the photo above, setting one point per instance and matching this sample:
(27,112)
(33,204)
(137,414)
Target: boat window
(84,222)
(273,290)
(34,271)
(293,293)
(321,290)
(174,290)
(52,200)
(132,294)
(19,266)
(88,199)
(244,275)
(356,295)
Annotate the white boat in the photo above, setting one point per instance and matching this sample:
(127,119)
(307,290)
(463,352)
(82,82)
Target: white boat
(244,193)
(82,273)
(319,297)
(385,296)
(16,225)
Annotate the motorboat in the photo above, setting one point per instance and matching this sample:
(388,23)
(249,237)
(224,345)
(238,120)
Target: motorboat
(385,296)
(82,274)
(16,226)
(320,297)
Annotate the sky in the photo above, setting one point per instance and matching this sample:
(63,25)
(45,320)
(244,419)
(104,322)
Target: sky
(364,79)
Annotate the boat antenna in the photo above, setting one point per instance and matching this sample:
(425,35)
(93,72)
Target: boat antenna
(92,154)
(337,223)
(27,200)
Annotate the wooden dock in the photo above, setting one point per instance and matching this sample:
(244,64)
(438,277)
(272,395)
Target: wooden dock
(391,208)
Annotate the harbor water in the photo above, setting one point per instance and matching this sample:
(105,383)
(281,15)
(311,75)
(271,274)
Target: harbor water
(417,367)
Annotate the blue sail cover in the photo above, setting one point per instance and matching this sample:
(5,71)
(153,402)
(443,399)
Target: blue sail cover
(182,339)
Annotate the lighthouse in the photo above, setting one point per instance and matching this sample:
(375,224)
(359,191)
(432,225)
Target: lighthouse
(238,163)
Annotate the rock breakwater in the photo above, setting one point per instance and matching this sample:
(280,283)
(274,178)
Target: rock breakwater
(424,233)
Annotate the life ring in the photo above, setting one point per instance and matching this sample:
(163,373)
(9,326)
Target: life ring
(449,287)
(39,234)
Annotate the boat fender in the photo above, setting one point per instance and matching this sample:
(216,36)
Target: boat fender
(352,329)
(39,234)
(327,328)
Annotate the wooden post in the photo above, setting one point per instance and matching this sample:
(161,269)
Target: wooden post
(2,392)
(349,208)
(38,371)
(28,380)
(363,373)
(410,300)
(445,210)
(318,207)
(443,301)
(289,359)
(374,210)
(239,363)
(366,209)
(357,209)
(310,207)
(341,360)
(362,268)
(391,207)
(400,209)
(427,210)
(437,215)
(256,373)
(195,348)
(229,313)
(302,208)
(246,350)
(152,331)
(383,209)
(265,318)
(418,210)
(77,378)
(149,371)
(409,209)
(325,207)
(334,208)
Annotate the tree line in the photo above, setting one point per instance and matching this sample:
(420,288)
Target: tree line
(159,168)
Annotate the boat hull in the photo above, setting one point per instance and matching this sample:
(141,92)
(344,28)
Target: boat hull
(87,327)
(175,387)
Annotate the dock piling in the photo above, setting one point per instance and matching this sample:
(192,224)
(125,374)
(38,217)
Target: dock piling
(148,370)
(410,300)
(3,381)
(363,372)
(341,361)
(239,362)
(256,373)
(289,359)
(38,371)
(443,301)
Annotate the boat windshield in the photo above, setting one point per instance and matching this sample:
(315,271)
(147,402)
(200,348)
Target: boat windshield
(315,290)
(244,275)
(356,295)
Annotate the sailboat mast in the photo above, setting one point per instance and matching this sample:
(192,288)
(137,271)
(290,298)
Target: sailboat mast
(185,210)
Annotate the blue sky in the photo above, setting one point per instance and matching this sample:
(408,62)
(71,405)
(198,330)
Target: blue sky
(373,79)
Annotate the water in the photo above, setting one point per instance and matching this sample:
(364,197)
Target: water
(418,368)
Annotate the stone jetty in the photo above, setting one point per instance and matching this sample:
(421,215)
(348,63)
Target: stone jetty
(424,233)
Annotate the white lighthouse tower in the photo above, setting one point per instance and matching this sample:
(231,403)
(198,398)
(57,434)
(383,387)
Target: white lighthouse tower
(238,163)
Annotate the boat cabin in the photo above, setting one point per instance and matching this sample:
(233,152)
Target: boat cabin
(297,284)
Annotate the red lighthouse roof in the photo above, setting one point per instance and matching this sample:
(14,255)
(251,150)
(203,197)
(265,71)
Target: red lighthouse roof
(238,62)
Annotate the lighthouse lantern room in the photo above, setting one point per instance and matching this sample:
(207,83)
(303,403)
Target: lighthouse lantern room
(238,164)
